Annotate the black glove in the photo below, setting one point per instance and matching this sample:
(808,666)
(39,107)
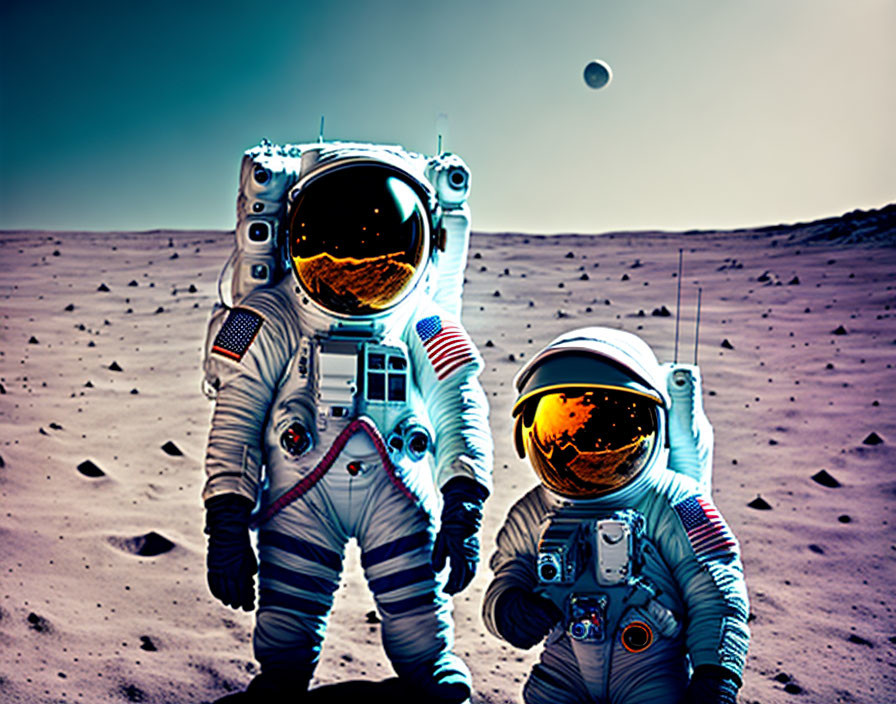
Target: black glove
(712,684)
(457,541)
(231,561)
(525,618)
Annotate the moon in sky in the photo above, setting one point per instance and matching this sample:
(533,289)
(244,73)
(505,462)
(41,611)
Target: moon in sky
(598,74)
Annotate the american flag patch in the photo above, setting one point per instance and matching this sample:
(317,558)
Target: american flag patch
(237,333)
(706,529)
(447,345)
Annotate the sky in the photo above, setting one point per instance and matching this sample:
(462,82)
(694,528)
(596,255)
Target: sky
(721,114)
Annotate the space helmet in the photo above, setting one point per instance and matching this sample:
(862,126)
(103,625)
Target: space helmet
(591,410)
(360,234)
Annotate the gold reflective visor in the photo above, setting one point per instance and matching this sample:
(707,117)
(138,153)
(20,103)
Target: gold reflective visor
(583,443)
(359,239)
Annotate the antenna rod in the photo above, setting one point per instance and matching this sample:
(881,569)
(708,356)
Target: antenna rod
(320,136)
(440,145)
(697,331)
(678,306)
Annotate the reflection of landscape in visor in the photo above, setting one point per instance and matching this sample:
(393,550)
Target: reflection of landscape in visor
(586,442)
(359,239)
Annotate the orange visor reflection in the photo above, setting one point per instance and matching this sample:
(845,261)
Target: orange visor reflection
(585,443)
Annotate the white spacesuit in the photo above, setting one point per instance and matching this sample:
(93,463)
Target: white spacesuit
(346,395)
(618,557)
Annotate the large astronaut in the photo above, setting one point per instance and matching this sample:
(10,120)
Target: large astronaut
(347,406)
(618,556)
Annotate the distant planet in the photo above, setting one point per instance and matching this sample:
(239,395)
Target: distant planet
(598,74)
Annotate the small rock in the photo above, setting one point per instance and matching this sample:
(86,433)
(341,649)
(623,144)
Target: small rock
(372,617)
(169,448)
(636,265)
(33,341)
(89,469)
(765,276)
(489,343)
(873,439)
(858,640)
(192,289)
(70,307)
(727,345)
(817,549)
(132,282)
(114,367)
(844,519)
(792,688)
(584,277)
(103,288)
(174,256)
(160,309)
(624,277)
(661,312)
(760,504)
(839,331)
(497,294)
(89,384)
(55,426)
(511,357)
(134,392)
(147,644)
(38,623)
(782,677)
(570,255)
(795,281)
(825,479)
(562,314)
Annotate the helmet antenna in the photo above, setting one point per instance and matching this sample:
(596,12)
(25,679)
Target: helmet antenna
(697,330)
(320,135)
(439,151)
(678,306)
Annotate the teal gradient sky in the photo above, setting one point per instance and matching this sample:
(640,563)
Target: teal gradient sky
(134,115)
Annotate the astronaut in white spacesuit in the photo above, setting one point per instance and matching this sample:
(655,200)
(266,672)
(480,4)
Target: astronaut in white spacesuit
(619,559)
(347,402)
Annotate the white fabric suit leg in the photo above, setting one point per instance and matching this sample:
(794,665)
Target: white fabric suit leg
(301,550)
(396,537)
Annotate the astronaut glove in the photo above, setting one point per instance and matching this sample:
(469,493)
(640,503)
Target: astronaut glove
(711,684)
(524,618)
(230,560)
(457,543)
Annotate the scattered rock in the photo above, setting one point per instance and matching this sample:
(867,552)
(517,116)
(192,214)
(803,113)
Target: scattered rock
(760,504)
(103,288)
(372,617)
(839,331)
(661,312)
(150,545)
(169,448)
(2,463)
(38,623)
(782,677)
(511,357)
(132,282)
(764,276)
(727,345)
(489,343)
(89,469)
(873,439)
(133,693)
(160,309)
(858,640)
(825,479)
(624,277)
(89,384)
(570,255)
(115,368)
(817,549)
(70,307)
(33,341)
(584,277)
(134,392)
(174,256)
(497,294)
(192,289)
(55,426)
(147,644)
(636,265)
(795,281)
(844,519)
(562,314)
(792,688)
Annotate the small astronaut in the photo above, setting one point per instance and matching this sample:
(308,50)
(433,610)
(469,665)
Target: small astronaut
(619,558)
(347,405)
